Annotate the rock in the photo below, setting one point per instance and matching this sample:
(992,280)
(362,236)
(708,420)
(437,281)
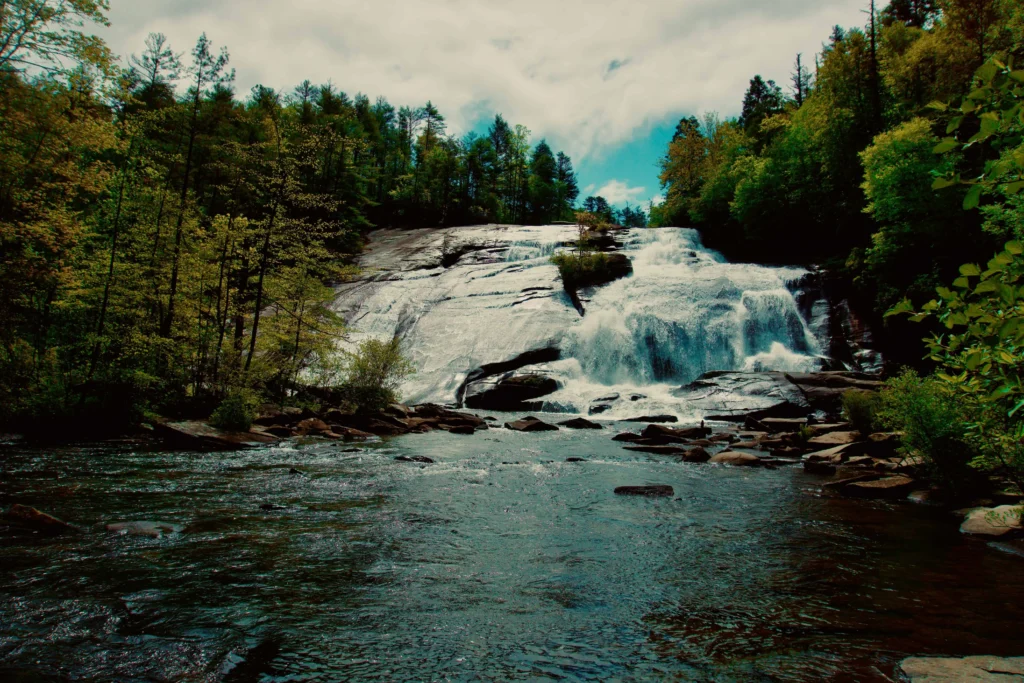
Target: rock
(629,437)
(653,418)
(462,429)
(747,445)
(734,396)
(840,484)
(861,461)
(754,425)
(980,669)
(888,488)
(835,455)
(637,397)
(671,434)
(415,458)
(998,521)
(580,423)
(530,424)
(31,519)
(824,390)
(272,507)
(825,428)
(657,450)
(398,410)
(200,436)
(819,467)
(377,424)
(295,471)
(696,455)
(597,409)
(349,433)
(724,437)
(279,431)
(616,266)
(783,424)
(312,427)
(575,460)
(508,392)
(833,439)
(147,529)
(652,490)
(736,459)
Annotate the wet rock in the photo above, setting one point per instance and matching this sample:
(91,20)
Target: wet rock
(824,390)
(651,490)
(530,424)
(509,392)
(826,427)
(295,471)
(887,488)
(272,507)
(377,424)
(783,424)
(575,460)
(462,429)
(415,458)
(279,431)
(629,437)
(835,455)
(724,437)
(754,425)
(200,436)
(845,481)
(734,396)
(819,467)
(672,434)
(349,433)
(980,669)
(861,461)
(146,529)
(657,450)
(312,427)
(580,423)
(31,519)
(637,397)
(999,521)
(660,419)
(736,459)
(696,455)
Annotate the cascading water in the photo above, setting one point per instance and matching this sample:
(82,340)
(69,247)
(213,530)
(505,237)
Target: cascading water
(684,311)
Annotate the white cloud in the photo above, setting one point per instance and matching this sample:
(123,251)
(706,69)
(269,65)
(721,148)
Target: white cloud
(586,74)
(619,192)
(658,199)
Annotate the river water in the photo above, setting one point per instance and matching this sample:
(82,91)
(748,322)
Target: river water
(501,562)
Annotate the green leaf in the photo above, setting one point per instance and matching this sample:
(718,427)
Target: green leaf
(1017,76)
(1020,404)
(973,197)
(942,183)
(986,287)
(969,270)
(1012,188)
(919,317)
(945,293)
(962,283)
(902,307)
(954,123)
(1015,247)
(938,106)
(945,146)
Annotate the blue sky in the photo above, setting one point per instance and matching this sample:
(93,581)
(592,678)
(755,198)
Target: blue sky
(604,80)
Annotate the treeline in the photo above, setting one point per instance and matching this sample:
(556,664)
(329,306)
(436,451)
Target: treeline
(165,242)
(839,168)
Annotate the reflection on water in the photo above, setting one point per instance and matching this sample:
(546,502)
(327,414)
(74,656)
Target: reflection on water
(500,562)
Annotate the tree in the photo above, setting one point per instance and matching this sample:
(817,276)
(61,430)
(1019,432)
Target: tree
(801,81)
(762,99)
(543,192)
(567,189)
(46,35)
(914,13)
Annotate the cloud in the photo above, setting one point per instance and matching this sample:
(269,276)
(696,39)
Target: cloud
(658,199)
(619,192)
(588,75)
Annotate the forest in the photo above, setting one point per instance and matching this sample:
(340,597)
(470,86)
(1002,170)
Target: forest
(166,241)
(837,168)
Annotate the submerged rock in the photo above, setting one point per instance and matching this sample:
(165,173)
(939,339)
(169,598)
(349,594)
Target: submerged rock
(650,490)
(147,529)
(462,429)
(580,423)
(200,436)
(653,418)
(415,458)
(998,521)
(530,424)
(657,450)
(736,459)
(980,669)
(31,519)
(575,460)
(888,488)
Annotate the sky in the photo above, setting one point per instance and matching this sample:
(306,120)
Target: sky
(603,80)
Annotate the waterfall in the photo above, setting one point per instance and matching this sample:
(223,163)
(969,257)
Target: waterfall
(684,311)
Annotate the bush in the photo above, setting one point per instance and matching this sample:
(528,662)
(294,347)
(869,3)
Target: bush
(581,270)
(859,409)
(933,423)
(236,412)
(375,372)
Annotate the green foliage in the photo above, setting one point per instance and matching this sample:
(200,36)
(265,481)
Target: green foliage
(581,269)
(374,372)
(932,422)
(236,412)
(859,408)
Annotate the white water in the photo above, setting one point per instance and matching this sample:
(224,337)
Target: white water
(683,312)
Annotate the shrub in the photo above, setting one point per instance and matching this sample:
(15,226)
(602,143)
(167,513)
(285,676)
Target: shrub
(236,412)
(859,410)
(933,423)
(581,270)
(375,372)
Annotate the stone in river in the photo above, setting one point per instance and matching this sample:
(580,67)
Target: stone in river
(575,460)
(415,458)
(653,418)
(628,437)
(888,488)
(653,490)
(580,423)
(999,521)
(657,450)
(834,439)
(197,435)
(462,429)
(33,520)
(147,529)
(697,454)
(979,669)
(736,459)
(530,424)
(272,507)
(312,426)
(819,467)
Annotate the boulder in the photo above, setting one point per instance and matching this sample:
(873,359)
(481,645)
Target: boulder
(999,521)
(462,429)
(887,488)
(415,458)
(349,433)
(580,423)
(377,424)
(31,519)
(979,669)
(602,404)
(651,490)
(835,455)
(735,396)
(508,392)
(146,529)
(840,484)
(824,390)
(736,459)
(819,467)
(575,460)
(826,427)
(653,418)
(616,266)
(629,437)
(783,424)
(279,431)
(696,455)
(312,427)
(830,439)
(530,424)
(200,436)
(657,450)
(671,434)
